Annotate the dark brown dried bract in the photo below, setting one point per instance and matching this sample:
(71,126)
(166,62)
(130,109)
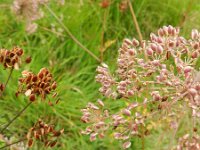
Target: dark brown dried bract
(41,84)
(44,133)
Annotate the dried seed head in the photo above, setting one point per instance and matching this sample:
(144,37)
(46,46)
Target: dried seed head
(44,133)
(41,84)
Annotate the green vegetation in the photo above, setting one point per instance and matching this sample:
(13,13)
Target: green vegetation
(73,68)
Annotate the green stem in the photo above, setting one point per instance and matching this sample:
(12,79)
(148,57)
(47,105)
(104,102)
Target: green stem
(10,122)
(8,145)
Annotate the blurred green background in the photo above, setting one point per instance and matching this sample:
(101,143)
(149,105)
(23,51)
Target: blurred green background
(73,68)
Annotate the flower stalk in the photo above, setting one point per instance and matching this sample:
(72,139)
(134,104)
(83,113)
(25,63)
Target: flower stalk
(18,115)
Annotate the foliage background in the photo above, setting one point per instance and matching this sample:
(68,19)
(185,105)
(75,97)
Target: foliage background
(73,68)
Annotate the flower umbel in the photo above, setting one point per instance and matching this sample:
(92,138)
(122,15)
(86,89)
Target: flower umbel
(159,85)
(11,58)
(41,84)
(44,133)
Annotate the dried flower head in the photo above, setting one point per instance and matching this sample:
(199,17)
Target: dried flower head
(44,133)
(104,3)
(188,142)
(11,58)
(30,11)
(41,84)
(158,86)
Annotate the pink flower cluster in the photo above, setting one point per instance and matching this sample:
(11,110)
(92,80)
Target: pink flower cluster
(151,76)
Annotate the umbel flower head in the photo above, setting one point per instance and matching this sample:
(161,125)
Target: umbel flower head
(30,11)
(44,133)
(158,85)
(12,58)
(41,84)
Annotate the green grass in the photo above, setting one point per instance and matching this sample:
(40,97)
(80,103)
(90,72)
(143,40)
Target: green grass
(73,68)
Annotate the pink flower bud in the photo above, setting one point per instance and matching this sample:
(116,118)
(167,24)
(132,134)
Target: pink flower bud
(153,46)
(126,112)
(187,69)
(159,40)
(195,54)
(194,34)
(127,41)
(160,32)
(192,91)
(159,49)
(117,135)
(100,102)
(170,28)
(149,51)
(126,145)
(130,92)
(93,136)
(132,52)
(153,37)
(156,62)
(135,42)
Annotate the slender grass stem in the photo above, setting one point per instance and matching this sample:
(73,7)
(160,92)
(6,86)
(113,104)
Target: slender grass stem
(9,76)
(10,122)
(71,35)
(8,145)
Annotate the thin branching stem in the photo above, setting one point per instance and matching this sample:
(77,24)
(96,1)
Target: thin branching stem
(8,145)
(71,35)
(19,114)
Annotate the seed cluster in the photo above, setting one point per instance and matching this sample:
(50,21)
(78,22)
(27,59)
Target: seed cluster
(152,87)
(44,133)
(188,142)
(11,58)
(41,84)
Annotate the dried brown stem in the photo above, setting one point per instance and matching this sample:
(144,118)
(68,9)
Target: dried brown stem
(135,21)
(71,35)
(136,25)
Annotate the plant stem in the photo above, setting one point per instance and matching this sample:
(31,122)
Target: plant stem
(185,14)
(8,145)
(71,35)
(102,34)
(135,21)
(10,122)
(143,145)
(9,76)
(136,25)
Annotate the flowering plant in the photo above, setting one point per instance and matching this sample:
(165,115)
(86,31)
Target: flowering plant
(155,79)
